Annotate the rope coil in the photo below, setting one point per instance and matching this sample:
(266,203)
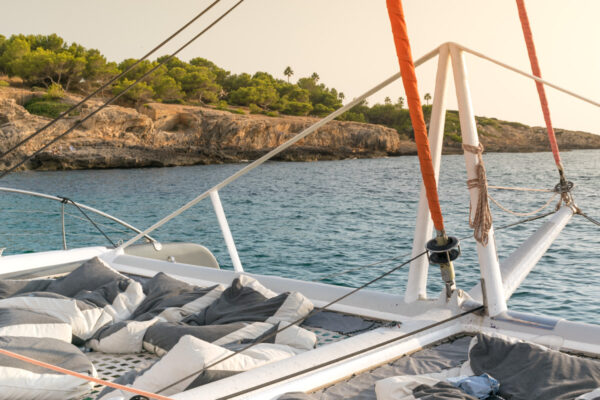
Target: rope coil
(482,221)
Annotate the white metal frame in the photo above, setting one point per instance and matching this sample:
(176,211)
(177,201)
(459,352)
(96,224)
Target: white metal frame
(233,254)
(500,281)
(488,257)
(416,287)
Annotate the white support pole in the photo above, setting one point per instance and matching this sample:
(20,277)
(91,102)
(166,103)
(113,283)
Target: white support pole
(235,258)
(416,287)
(488,259)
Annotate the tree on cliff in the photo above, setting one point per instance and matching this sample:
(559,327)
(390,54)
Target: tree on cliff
(46,59)
(427,98)
(167,89)
(288,72)
(400,103)
(140,93)
(200,84)
(260,92)
(13,50)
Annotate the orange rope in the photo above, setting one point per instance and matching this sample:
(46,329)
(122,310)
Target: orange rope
(82,376)
(535,68)
(409,79)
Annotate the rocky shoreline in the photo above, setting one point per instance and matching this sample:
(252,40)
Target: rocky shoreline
(162,135)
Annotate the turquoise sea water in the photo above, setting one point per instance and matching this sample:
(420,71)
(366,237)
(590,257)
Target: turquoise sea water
(310,220)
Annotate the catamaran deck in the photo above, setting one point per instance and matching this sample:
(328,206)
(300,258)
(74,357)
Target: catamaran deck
(111,367)
(422,338)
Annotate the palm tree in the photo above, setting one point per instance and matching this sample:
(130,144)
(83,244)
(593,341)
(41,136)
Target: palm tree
(400,102)
(315,77)
(387,101)
(288,72)
(342,96)
(427,97)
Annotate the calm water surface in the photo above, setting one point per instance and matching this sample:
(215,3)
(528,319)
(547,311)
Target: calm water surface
(309,220)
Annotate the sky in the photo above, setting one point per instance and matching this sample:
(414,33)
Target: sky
(349,43)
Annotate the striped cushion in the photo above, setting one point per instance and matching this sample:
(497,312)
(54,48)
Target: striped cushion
(23,381)
(25,323)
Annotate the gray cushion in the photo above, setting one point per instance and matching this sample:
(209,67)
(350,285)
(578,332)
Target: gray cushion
(24,381)
(246,300)
(12,287)
(165,294)
(90,275)
(549,374)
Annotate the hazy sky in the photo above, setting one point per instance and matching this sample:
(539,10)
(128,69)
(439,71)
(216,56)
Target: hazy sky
(349,43)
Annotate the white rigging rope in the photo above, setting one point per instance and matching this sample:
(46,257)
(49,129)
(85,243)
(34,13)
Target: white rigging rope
(518,71)
(521,189)
(520,214)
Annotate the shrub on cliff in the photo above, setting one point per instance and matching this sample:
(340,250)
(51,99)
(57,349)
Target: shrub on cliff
(254,109)
(199,84)
(321,110)
(167,89)
(45,107)
(54,92)
(140,93)
(297,108)
(260,93)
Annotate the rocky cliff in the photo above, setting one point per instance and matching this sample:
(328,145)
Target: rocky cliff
(167,135)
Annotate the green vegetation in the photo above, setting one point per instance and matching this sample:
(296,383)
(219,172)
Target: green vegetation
(484,121)
(288,72)
(388,114)
(427,98)
(49,62)
(46,107)
(393,115)
(51,104)
(516,125)
(43,61)
(4,84)
(55,91)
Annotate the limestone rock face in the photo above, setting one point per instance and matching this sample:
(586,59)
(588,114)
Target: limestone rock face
(168,135)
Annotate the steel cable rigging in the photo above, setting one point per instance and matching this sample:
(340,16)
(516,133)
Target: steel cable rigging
(107,84)
(114,98)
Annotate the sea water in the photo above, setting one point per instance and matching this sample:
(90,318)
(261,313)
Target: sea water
(315,220)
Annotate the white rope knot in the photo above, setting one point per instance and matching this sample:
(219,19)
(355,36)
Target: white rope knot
(482,221)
